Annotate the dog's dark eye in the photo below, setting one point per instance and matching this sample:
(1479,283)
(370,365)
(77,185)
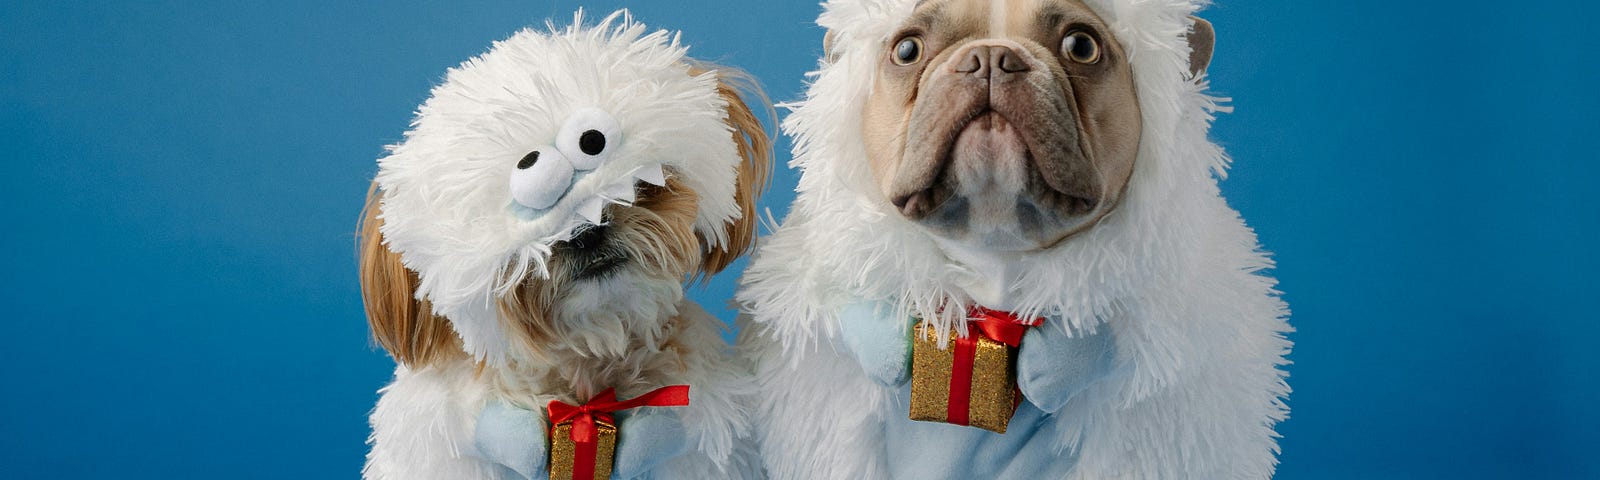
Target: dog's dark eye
(589,137)
(1080,47)
(908,50)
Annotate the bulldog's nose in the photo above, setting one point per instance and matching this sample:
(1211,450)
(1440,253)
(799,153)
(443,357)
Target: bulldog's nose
(996,63)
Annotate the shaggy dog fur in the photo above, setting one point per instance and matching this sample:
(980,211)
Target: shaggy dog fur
(1173,273)
(481,299)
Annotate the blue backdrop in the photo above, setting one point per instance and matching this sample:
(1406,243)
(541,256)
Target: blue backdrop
(181,182)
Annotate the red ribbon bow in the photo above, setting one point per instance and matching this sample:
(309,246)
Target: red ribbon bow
(1003,327)
(585,435)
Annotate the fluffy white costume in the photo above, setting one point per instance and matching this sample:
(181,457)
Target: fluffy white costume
(459,210)
(1173,273)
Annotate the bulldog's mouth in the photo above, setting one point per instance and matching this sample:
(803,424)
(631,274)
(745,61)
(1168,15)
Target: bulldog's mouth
(937,190)
(590,254)
(979,139)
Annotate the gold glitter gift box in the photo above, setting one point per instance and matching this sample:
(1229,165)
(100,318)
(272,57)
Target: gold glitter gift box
(568,462)
(974,381)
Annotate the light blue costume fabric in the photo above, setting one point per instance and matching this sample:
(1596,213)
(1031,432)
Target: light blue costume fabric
(1051,367)
(881,344)
(515,438)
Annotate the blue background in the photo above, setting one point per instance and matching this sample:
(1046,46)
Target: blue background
(181,182)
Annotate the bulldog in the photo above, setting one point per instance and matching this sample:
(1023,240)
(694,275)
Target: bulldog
(1046,159)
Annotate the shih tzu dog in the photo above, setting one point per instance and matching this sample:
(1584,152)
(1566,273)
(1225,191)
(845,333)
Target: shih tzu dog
(1042,165)
(529,241)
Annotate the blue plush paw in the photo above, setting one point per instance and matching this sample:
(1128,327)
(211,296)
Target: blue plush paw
(646,438)
(512,437)
(880,341)
(1053,366)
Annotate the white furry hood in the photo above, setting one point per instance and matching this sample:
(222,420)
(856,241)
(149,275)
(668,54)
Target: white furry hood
(449,206)
(1173,271)
(874,252)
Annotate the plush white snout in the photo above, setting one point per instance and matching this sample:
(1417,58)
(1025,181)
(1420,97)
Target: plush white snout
(584,143)
(541,178)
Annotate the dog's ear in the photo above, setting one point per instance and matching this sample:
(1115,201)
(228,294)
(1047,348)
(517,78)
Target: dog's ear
(827,47)
(1202,40)
(403,325)
(755,165)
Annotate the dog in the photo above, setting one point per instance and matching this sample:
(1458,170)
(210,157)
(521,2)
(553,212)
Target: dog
(529,242)
(1047,159)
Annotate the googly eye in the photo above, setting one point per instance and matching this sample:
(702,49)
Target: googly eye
(589,137)
(541,178)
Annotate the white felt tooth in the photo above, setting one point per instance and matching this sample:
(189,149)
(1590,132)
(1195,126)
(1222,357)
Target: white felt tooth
(591,208)
(653,175)
(621,193)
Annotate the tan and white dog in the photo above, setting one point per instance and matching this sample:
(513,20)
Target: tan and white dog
(1043,157)
(530,240)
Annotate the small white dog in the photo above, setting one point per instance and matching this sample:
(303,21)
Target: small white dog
(1046,158)
(529,242)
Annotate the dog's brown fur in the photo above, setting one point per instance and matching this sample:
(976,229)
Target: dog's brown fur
(402,324)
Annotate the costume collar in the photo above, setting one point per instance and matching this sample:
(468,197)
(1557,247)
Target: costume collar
(991,277)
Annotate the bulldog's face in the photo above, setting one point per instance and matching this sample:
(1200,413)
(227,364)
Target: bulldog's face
(1006,124)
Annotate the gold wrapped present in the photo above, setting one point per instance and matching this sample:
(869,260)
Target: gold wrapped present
(973,381)
(570,460)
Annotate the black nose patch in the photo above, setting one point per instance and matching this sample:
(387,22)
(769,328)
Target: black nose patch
(591,238)
(589,255)
(592,142)
(528,161)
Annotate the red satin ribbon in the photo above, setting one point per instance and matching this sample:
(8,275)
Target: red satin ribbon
(585,436)
(1003,327)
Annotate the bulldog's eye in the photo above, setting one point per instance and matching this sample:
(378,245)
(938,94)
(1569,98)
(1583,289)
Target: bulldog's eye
(908,50)
(1080,47)
(589,137)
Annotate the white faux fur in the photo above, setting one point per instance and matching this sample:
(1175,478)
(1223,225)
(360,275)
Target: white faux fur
(449,213)
(1173,272)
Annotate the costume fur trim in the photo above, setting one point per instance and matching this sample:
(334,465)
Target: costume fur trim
(1174,272)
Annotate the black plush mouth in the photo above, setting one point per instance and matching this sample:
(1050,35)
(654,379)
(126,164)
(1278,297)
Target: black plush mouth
(590,254)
